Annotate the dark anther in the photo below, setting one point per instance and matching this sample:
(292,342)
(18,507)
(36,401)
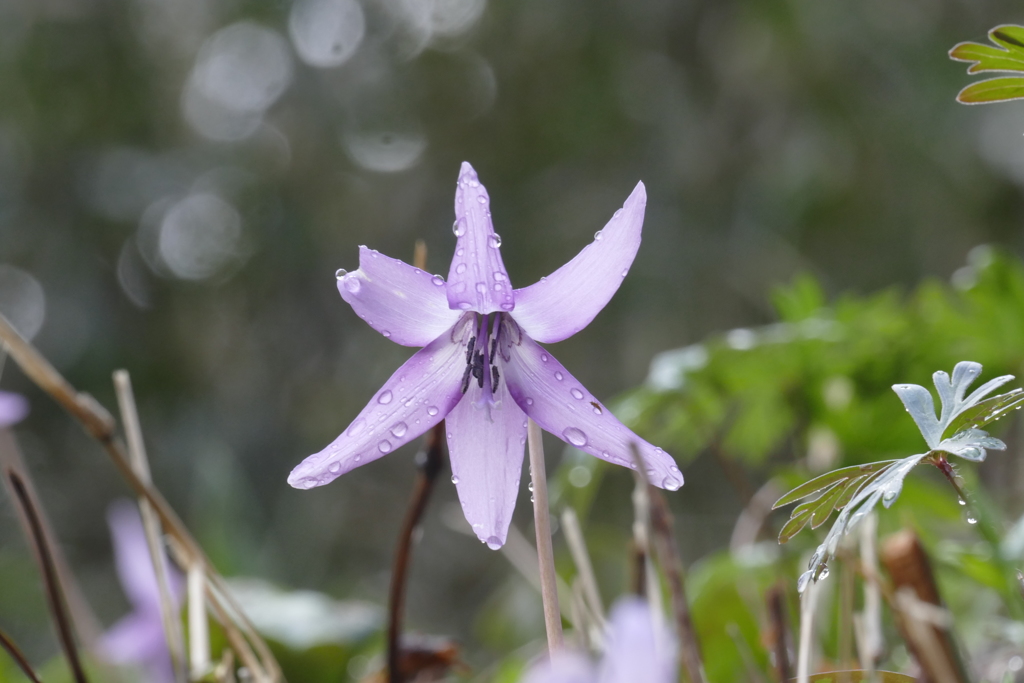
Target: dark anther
(478,369)
(469,349)
(494,345)
(494,378)
(465,378)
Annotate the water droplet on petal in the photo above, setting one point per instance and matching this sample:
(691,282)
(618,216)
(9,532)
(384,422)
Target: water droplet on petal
(617,213)
(385,333)
(459,228)
(400,429)
(437,280)
(481,287)
(625,272)
(385,398)
(499,276)
(356,427)
(597,235)
(575,436)
(576,394)
(465,305)
(494,241)
(334,467)
(432,410)
(352,284)
(460,269)
(493,542)
(340,273)
(455,479)
(507,306)
(559,376)
(674,470)
(671,484)
(498,287)
(308,483)
(481,199)
(544,357)
(529,401)
(384,446)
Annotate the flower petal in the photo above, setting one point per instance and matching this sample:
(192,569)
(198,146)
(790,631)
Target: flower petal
(562,406)
(565,302)
(637,649)
(13,408)
(413,400)
(564,666)
(405,304)
(486,444)
(477,280)
(133,562)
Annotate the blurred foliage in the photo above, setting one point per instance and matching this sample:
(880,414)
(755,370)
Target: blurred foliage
(819,382)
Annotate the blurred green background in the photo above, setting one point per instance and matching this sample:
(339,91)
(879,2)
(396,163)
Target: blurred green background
(180,181)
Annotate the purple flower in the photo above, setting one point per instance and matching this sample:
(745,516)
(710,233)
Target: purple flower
(13,408)
(637,651)
(139,637)
(481,366)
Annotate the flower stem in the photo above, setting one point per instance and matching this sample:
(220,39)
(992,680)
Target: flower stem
(542,525)
(430,462)
(18,657)
(51,584)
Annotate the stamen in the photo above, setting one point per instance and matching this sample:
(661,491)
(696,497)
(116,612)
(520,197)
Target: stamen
(478,369)
(494,378)
(469,349)
(465,378)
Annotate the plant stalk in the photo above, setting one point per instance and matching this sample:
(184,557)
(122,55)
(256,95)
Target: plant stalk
(430,462)
(542,527)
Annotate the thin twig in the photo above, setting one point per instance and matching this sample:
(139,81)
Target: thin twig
(578,549)
(669,558)
(150,523)
(54,595)
(198,631)
(542,527)
(807,602)
(98,423)
(430,462)
(87,626)
(870,642)
(18,657)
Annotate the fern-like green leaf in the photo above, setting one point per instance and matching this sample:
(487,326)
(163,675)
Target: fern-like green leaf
(992,90)
(984,412)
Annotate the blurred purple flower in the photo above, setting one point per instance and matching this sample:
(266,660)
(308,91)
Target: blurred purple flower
(481,366)
(139,637)
(13,408)
(637,651)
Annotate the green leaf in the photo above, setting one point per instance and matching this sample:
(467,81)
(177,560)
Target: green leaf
(829,479)
(856,485)
(826,503)
(987,58)
(1009,36)
(992,90)
(798,521)
(984,412)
